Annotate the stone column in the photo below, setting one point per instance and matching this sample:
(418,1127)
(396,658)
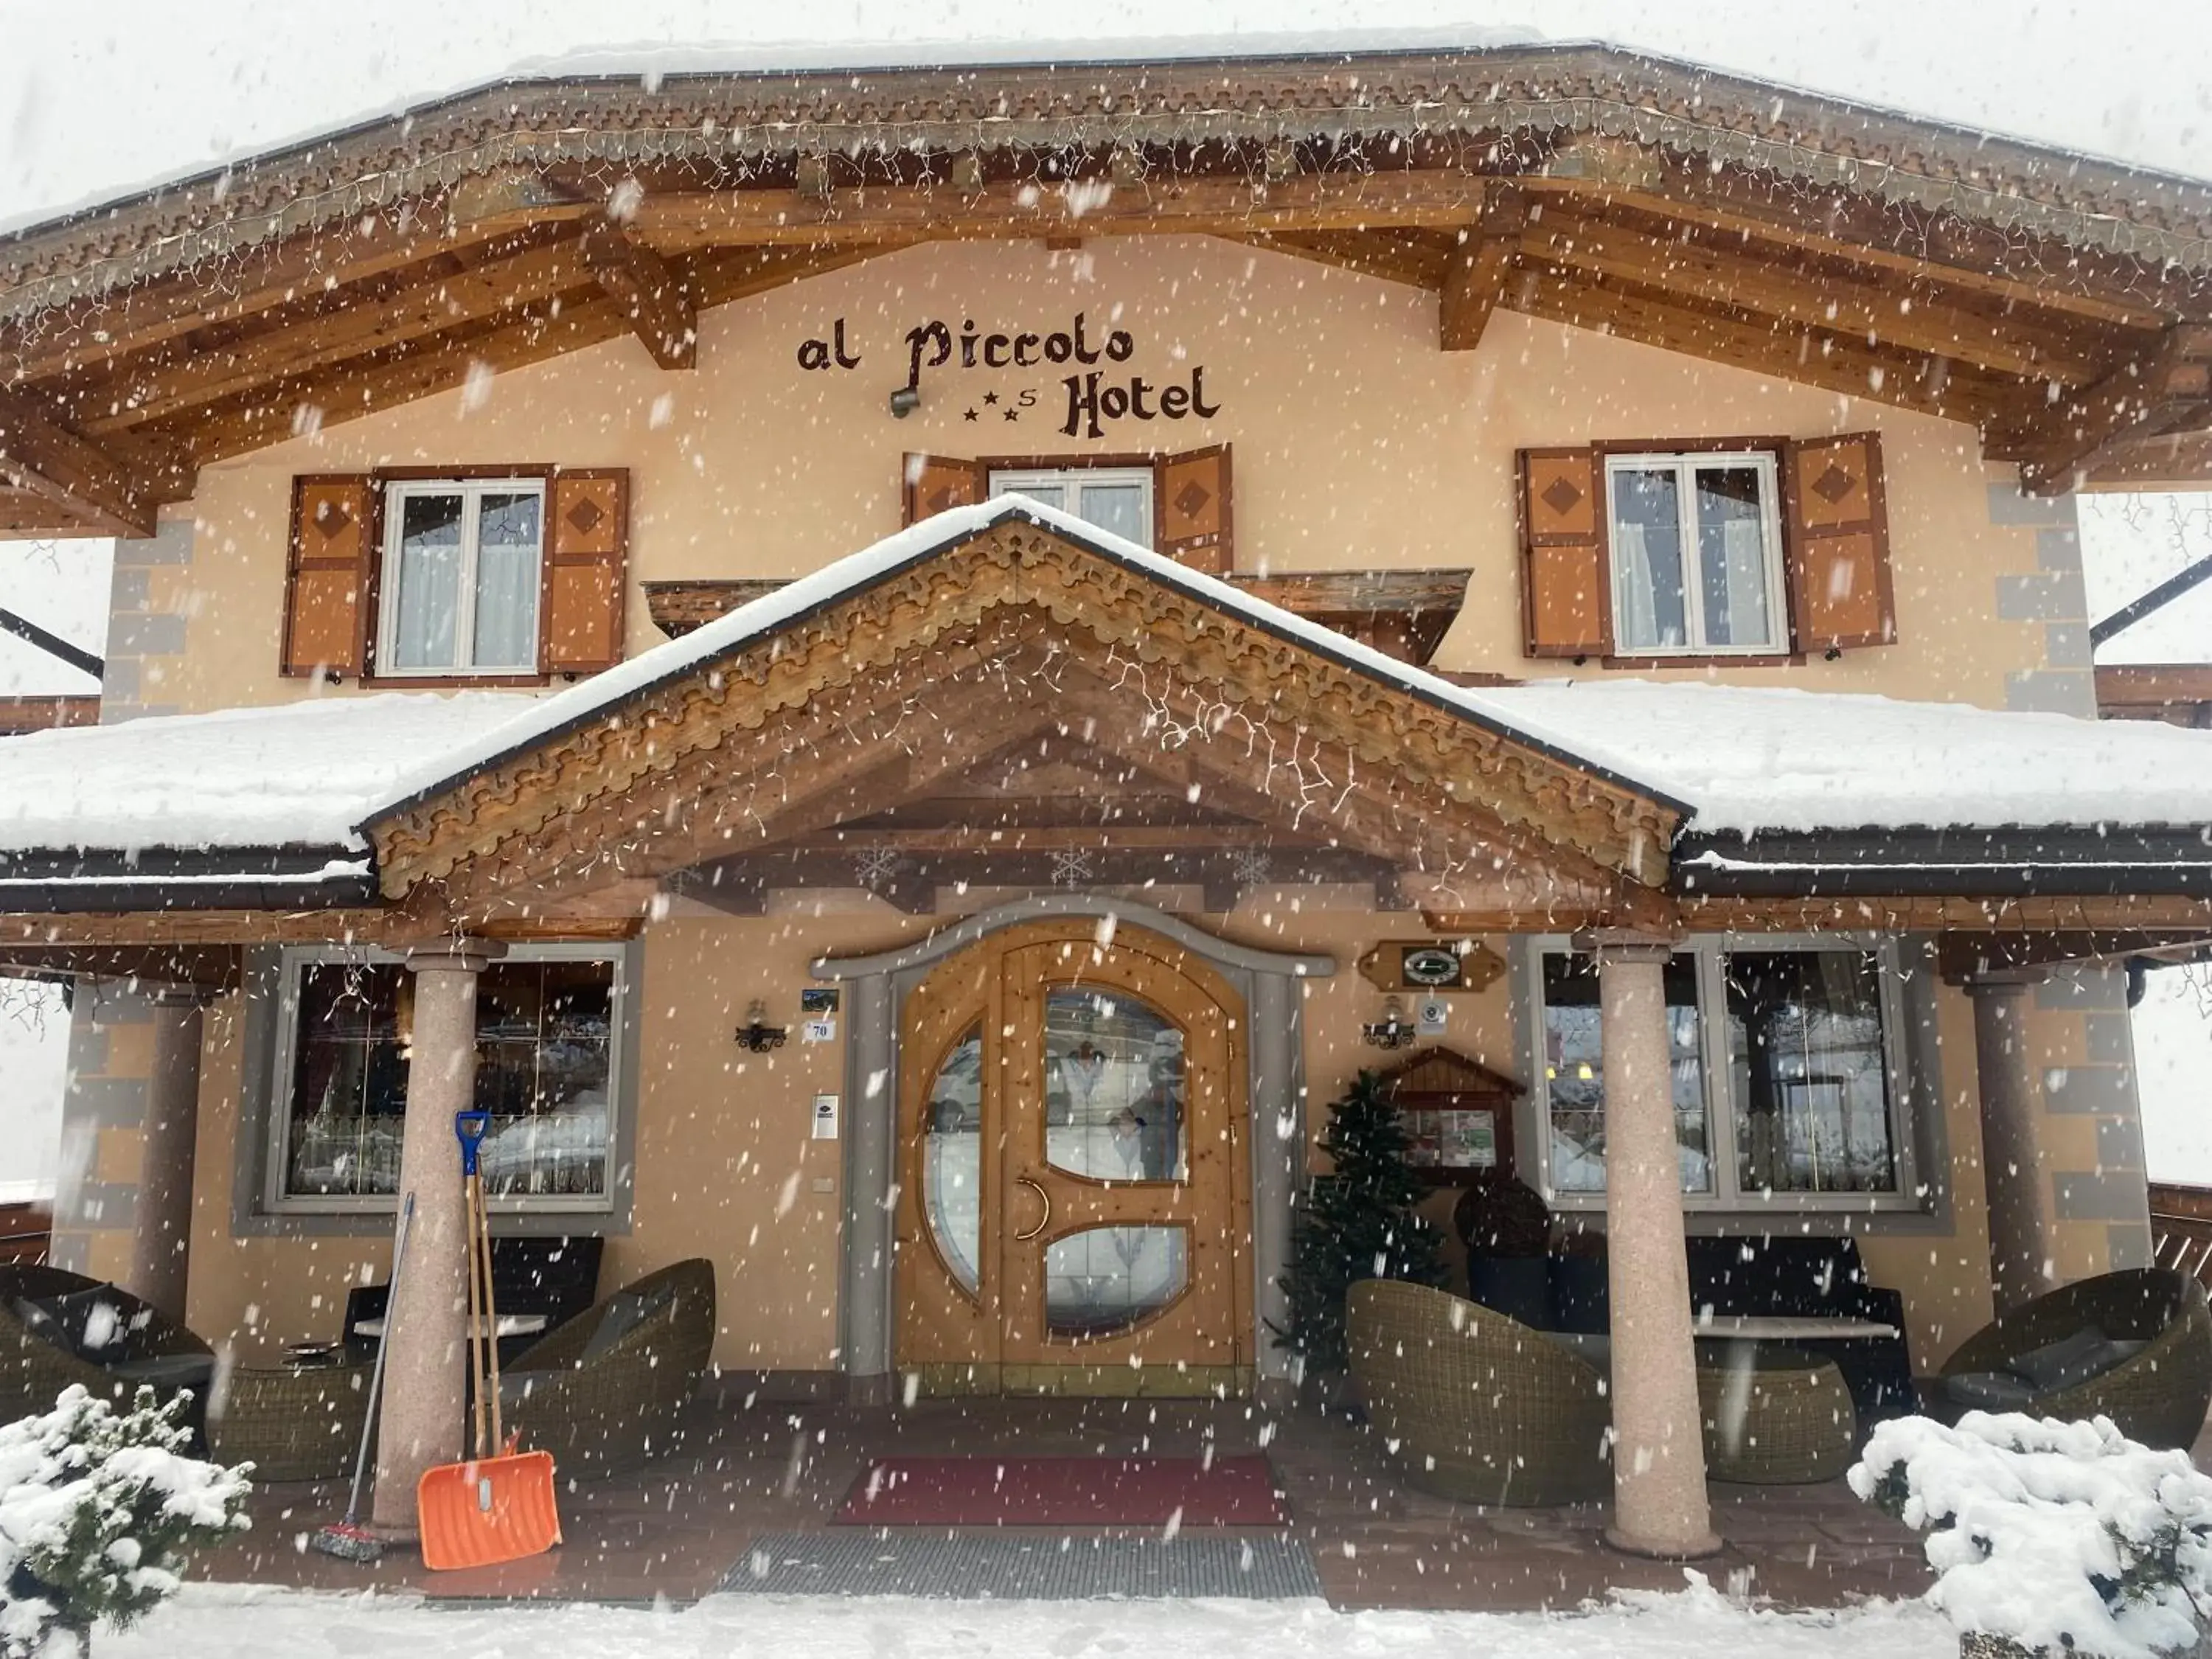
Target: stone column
(870,1196)
(426,1362)
(2021,1224)
(1659,1501)
(161,1223)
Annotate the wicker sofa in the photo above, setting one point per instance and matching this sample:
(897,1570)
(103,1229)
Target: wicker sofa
(603,1392)
(1473,1405)
(2157,1394)
(58,1327)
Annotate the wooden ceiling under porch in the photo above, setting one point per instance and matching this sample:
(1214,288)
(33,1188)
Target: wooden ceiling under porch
(2080,364)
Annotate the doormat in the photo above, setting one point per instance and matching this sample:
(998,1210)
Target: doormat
(970,1566)
(1064,1491)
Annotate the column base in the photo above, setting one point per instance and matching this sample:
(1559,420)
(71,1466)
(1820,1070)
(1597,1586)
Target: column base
(879,1389)
(1696,1549)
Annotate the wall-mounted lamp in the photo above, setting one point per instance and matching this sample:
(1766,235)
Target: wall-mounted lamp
(905,401)
(756,1036)
(1392,1030)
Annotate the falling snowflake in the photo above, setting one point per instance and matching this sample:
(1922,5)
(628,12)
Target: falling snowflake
(1251,865)
(875,867)
(1071,868)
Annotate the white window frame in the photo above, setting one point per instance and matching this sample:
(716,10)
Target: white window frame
(471,491)
(1004,481)
(296,958)
(1726,1197)
(1685,465)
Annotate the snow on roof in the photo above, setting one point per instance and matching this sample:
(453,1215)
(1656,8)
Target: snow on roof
(1774,759)
(300,774)
(1734,758)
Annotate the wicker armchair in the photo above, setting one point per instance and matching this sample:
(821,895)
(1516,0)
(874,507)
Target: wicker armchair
(38,1357)
(1475,1406)
(604,1392)
(2159,1396)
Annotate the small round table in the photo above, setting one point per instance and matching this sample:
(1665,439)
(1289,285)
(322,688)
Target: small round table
(1774,1415)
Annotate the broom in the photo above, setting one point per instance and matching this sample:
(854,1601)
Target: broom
(348,1540)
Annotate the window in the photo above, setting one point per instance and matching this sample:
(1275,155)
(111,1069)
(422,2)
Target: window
(1786,1074)
(1696,554)
(1118,499)
(548,1022)
(460,577)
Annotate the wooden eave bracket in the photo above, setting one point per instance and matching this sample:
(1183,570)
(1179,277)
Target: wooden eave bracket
(2167,391)
(115,493)
(1477,270)
(657,301)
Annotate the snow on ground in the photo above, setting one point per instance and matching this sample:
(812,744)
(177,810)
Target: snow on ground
(215,1622)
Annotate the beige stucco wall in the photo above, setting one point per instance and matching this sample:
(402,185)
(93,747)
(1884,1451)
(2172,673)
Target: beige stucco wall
(1358,444)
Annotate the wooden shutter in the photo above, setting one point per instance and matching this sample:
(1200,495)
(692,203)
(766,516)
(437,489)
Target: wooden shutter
(1191,510)
(587,571)
(1837,527)
(327,575)
(934,483)
(1567,602)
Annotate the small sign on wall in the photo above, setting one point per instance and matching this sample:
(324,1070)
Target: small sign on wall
(818,1030)
(825,1117)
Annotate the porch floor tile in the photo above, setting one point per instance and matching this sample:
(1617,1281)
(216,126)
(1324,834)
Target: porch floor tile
(752,1471)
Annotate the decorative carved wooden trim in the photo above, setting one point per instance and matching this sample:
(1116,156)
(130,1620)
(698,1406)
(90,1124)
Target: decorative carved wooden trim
(1318,738)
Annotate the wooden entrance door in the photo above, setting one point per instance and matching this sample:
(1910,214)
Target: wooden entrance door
(1073,1206)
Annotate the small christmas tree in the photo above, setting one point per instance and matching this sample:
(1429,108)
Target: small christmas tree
(1357,1222)
(97,1507)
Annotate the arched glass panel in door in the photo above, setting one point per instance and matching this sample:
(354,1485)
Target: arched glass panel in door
(952,1160)
(1114,1087)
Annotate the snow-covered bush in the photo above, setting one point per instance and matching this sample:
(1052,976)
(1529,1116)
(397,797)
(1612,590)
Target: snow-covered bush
(2051,1535)
(96,1509)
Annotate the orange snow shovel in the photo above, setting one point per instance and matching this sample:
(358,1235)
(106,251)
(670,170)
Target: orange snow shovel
(498,1505)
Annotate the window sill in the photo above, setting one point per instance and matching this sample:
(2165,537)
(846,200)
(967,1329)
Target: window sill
(1706,659)
(451,682)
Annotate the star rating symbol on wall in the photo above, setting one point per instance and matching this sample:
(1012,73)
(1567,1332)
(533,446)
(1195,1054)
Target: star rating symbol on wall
(990,398)
(970,414)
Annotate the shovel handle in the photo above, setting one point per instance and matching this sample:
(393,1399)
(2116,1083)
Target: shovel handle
(469,1128)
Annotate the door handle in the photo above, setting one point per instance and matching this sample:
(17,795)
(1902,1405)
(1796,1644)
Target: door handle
(1045,1221)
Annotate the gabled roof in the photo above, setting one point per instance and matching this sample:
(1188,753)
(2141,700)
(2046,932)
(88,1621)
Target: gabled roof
(2060,303)
(1742,780)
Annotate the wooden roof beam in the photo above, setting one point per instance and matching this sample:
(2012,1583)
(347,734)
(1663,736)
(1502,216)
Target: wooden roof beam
(1603,171)
(179,378)
(661,308)
(1476,272)
(2168,391)
(42,455)
(1876,311)
(1787,351)
(1435,198)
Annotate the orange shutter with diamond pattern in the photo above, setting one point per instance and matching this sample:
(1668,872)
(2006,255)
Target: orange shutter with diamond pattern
(326,575)
(931,483)
(1191,505)
(586,575)
(1566,601)
(1837,525)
